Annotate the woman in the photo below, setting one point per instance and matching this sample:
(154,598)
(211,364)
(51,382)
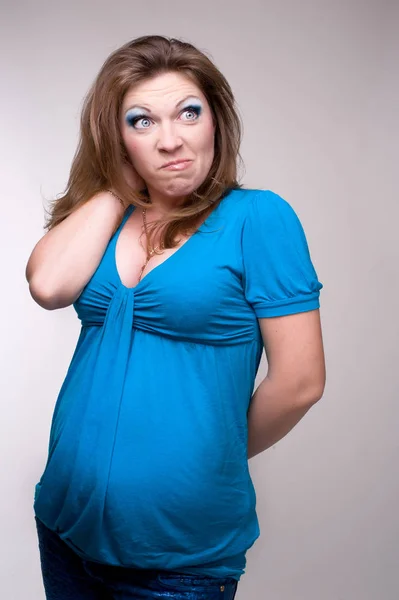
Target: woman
(180,278)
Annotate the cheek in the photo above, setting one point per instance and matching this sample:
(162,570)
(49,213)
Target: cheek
(209,144)
(206,141)
(137,153)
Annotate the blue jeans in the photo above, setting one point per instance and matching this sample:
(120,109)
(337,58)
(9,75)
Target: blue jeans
(66,576)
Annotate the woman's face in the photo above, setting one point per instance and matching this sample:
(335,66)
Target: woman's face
(163,119)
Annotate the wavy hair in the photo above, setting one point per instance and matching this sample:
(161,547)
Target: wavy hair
(101,155)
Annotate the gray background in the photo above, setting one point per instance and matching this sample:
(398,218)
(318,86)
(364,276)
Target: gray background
(317,87)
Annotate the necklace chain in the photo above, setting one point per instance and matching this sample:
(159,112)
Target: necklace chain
(150,250)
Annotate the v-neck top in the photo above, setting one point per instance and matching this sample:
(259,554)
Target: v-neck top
(147,462)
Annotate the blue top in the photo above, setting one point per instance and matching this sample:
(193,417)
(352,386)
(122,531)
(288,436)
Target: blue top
(147,463)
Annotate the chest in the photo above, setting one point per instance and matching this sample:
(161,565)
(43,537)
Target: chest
(131,259)
(191,292)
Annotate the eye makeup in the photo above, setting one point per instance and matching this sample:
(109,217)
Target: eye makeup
(137,113)
(194,107)
(134,115)
(190,102)
(191,108)
(193,104)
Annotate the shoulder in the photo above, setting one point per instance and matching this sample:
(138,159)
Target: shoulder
(264,208)
(265,200)
(269,201)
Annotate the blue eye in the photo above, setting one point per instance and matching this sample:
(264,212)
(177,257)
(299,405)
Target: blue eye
(193,109)
(133,120)
(142,121)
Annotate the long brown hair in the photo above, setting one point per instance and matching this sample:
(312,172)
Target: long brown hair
(101,154)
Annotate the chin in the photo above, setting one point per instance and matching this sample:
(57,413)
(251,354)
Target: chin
(179,188)
(178,191)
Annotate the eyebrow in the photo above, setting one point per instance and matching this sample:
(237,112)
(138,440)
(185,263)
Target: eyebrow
(149,110)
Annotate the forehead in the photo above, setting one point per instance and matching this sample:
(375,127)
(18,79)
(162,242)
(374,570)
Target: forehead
(162,90)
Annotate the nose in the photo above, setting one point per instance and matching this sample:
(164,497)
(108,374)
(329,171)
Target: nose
(169,139)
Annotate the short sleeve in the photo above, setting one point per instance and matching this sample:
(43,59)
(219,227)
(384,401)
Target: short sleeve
(278,275)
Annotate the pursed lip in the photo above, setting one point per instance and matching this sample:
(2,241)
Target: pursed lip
(176,162)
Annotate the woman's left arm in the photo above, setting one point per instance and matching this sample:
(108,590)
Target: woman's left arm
(295,379)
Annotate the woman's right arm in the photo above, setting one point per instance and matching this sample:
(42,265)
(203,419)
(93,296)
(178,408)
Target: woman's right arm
(66,257)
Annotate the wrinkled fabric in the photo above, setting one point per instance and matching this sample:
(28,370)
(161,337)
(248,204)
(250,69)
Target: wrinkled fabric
(66,576)
(147,464)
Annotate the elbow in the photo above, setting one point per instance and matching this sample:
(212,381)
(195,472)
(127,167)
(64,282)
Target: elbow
(302,393)
(312,384)
(42,297)
(310,393)
(45,297)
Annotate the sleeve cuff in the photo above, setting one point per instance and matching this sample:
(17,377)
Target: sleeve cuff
(290,306)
